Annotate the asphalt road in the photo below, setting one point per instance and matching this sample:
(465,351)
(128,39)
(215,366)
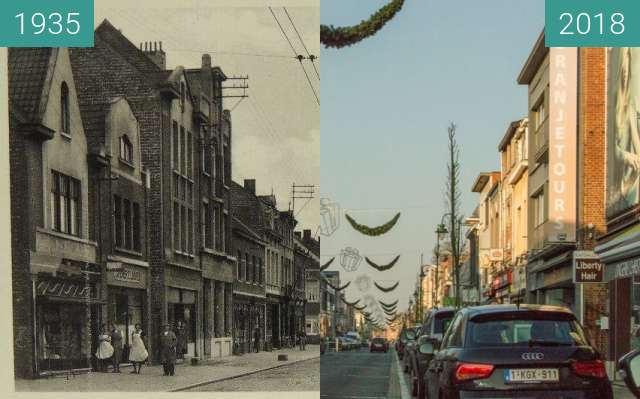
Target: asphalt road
(359,375)
(301,376)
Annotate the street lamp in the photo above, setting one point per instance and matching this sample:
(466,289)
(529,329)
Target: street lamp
(441,231)
(422,275)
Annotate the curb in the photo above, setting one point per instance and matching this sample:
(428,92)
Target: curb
(199,384)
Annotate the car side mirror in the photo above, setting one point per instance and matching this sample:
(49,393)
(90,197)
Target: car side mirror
(411,335)
(427,348)
(629,367)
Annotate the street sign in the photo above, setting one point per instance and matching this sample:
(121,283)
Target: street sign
(587,268)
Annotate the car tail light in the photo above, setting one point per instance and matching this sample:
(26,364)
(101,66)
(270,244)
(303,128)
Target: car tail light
(472,371)
(589,368)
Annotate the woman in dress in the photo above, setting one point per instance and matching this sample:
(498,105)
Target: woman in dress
(105,350)
(138,353)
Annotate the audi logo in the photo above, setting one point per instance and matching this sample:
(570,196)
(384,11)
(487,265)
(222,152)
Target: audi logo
(532,356)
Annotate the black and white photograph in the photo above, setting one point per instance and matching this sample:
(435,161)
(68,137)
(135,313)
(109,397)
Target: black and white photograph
(163,201)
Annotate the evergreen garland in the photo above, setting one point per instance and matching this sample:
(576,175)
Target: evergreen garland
(386,289)
(338,288)
(389,305)
(373,231)
(351,303)
(381,268)
(326,265)
(360,308)
(342,36)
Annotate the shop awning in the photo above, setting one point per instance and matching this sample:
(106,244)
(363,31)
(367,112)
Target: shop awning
(624,245)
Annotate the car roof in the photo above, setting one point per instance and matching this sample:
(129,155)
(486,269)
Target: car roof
(443,310)
(502,308)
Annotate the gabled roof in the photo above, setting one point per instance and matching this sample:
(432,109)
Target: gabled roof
(247,208)
(127,49)
(531,66)
(28,69)
(237,224)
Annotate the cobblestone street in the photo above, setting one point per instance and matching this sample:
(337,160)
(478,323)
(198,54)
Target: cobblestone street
(303,376)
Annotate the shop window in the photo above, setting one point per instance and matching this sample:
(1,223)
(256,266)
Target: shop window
(126,149)
(238,262)
(63,336)
(65,204)
(65,117)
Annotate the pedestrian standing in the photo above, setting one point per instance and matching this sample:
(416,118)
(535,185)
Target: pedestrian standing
(168,342)
(116,343)
(181,336)
(138,353)
(256,339)
(105,350)
(301,340)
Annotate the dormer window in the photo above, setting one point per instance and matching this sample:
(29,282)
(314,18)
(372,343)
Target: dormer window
(65,125)
(126,149)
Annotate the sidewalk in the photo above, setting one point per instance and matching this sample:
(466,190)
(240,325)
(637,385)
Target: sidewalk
(152,380)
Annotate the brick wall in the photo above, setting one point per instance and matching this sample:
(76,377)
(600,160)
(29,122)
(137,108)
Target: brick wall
(592,180)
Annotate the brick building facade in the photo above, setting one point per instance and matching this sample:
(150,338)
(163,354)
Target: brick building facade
(185,140)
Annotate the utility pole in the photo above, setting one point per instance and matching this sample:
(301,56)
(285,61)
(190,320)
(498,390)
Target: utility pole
(304,191)
(243,85)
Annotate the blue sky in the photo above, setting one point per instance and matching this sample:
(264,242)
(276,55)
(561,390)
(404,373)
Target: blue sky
(386,105)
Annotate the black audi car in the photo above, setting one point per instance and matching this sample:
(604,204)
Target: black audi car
(511,351)
(407,335)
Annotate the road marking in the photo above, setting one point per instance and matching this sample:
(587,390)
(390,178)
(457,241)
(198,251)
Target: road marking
(404,390)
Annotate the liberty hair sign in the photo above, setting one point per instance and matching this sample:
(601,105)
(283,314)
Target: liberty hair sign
(587,267)
(563,99)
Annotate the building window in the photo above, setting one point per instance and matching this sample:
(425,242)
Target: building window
(182,164)
(126,224)
(65,118)
(243,271)
(249,268)
(207,225)
(65,204)
(126,149)
(239,260)
(539,115)
(538,209)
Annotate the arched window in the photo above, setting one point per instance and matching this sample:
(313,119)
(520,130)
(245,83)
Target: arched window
(65,125)
(126,149)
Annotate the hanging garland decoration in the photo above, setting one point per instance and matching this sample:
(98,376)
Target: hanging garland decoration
(382,268)
(340,37)
(389,305)
(391,313)
(367,314)
(338,288)
(389,308)
(351,303)
(392,319)
(326,265)
(373,231)
(360,308)
(386,289)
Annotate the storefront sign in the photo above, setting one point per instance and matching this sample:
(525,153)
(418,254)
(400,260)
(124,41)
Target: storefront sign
(562,143)
(128,276)
(628,268)
(587,267)
(64,289)
(588,271)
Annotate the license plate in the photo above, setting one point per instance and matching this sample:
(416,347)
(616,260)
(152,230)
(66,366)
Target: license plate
(531,375)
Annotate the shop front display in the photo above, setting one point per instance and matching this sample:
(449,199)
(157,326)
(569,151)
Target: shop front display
(67,317)
(181,305)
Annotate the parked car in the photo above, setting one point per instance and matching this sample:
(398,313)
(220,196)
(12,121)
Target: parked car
(409,347)
(432,329)
(506,351)
(407,334)
(379,344)
(629,368)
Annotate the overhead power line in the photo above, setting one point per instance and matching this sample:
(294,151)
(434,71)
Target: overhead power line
(300,57)
(311,57)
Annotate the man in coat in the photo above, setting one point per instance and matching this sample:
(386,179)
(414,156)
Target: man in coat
(116,342)
(168,342)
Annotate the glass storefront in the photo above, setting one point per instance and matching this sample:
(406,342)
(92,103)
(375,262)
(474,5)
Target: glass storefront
(64,335)
(182,317)
(126,309)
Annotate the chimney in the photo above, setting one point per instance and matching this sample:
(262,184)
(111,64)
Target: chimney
(206,61)
(307,234)
(154,51)
(250,185)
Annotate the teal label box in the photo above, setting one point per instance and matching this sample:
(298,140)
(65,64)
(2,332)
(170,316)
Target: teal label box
(46,23)
(592,23)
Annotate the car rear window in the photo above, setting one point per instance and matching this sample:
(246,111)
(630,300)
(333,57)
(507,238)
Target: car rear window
(528,330)
(441,323)
(378,341)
